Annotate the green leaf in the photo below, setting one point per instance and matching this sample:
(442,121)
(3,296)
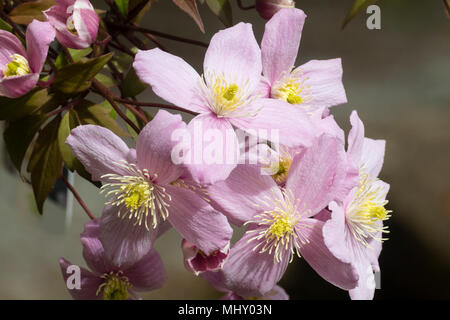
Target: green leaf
(26,12)
(5,26)
(357,7)
(132,85)
(122,5)
(222,9)
(13,109)
(190,7)
(46,162)
(75,78)
(77,55)
(19,135)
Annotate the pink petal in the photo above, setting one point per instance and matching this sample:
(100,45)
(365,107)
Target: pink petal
(329,126)
(372,156)
(280,42)
(215,279)
(231,296)
(39,36)
(93,252)
(197,221)
(17,86)
(86,20)
(171,78)
(88,285)
(148,273)
(198,262)
(317,174)
(234,54)
(290,125)
(213,150)
(324,80)
(277,293)
(355,138)
(241,196)
(10,45)
(365,288)
(154,147)
(98,149)
(328,266)
(124,242)
(249,273)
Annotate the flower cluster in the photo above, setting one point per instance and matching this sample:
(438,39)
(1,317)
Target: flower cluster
(306,195)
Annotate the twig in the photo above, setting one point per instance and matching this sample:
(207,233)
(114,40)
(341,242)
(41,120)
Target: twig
(77,196)
(155,105)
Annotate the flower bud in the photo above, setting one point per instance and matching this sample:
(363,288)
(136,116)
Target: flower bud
(267,8)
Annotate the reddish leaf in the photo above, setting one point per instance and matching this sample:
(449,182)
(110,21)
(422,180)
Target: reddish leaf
(190,7)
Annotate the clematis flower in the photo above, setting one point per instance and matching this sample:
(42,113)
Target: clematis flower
(106,280)
(355,230)
(20,68)
(225,96)
(197,261)
(216,280)
(145,189)
(315,85)
(280,222)
(75,21)
(267,8)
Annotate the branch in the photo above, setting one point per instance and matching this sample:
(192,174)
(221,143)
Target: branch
(77,196)
(155,105)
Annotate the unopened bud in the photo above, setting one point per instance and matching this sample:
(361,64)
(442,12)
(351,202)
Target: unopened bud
(267,8)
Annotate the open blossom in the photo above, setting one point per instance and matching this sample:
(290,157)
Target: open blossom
(20,68)
(313,86)
(280,222)
(145,189)
(355,230)
(75,21)
(108,281)
(197,261)
(226,96)
(267,8)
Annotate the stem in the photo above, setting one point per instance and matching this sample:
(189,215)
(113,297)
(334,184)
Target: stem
(242,7)
(155,105)
(77,196)
(161,34)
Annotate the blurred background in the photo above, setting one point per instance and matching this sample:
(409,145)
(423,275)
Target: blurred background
(397,78)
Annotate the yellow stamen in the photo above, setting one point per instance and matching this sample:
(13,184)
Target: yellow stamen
(17,67)
(292,89)
(115,286)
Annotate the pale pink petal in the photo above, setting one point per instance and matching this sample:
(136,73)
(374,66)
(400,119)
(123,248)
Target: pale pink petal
(241,196)
(282,122)
(280,42)
(99,150)
(85,20)
(329,126)
(263,88)
(231,296)
(317,174)
(234,54)
(17,86)
(339,273)
(213,150)
(39,36)
(277,293)
(170,77)
(198,262)
(324,81)
(355,139)
(124,241)
(249,273)
(10,45)
(372,156)
(154,147)
(93,252)
(365,288)
(197,221)
(148,273)
(89,282)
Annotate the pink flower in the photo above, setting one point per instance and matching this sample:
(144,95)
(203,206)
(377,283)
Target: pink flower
(226,96)
(280,222)
(197,261)
(313,86)
(20,68)
(267,8)
(145,189)
(75,21)
(106,280)
(355,230)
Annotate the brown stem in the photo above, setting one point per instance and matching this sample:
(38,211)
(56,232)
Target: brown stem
(77,196)
(155,105)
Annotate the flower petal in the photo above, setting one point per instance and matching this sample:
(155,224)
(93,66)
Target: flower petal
(317,174)
(85,20)
(365,288)
(89,282)
(355,138)
(197,221)
(171,78)
(372,156)
(154,147)
(234,54)
(340,273)
(324,81)
(39,36)
(17,86)
(280,43)
(124,242)
(93,252)
(241,196)
(10,45)
(98,149)
(148,273)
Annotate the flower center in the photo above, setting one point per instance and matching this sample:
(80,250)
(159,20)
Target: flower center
(141,198)
(284,165)
(279,229)
(115,286)
(17,67)
(70,25)
(291,88)
(367,211)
